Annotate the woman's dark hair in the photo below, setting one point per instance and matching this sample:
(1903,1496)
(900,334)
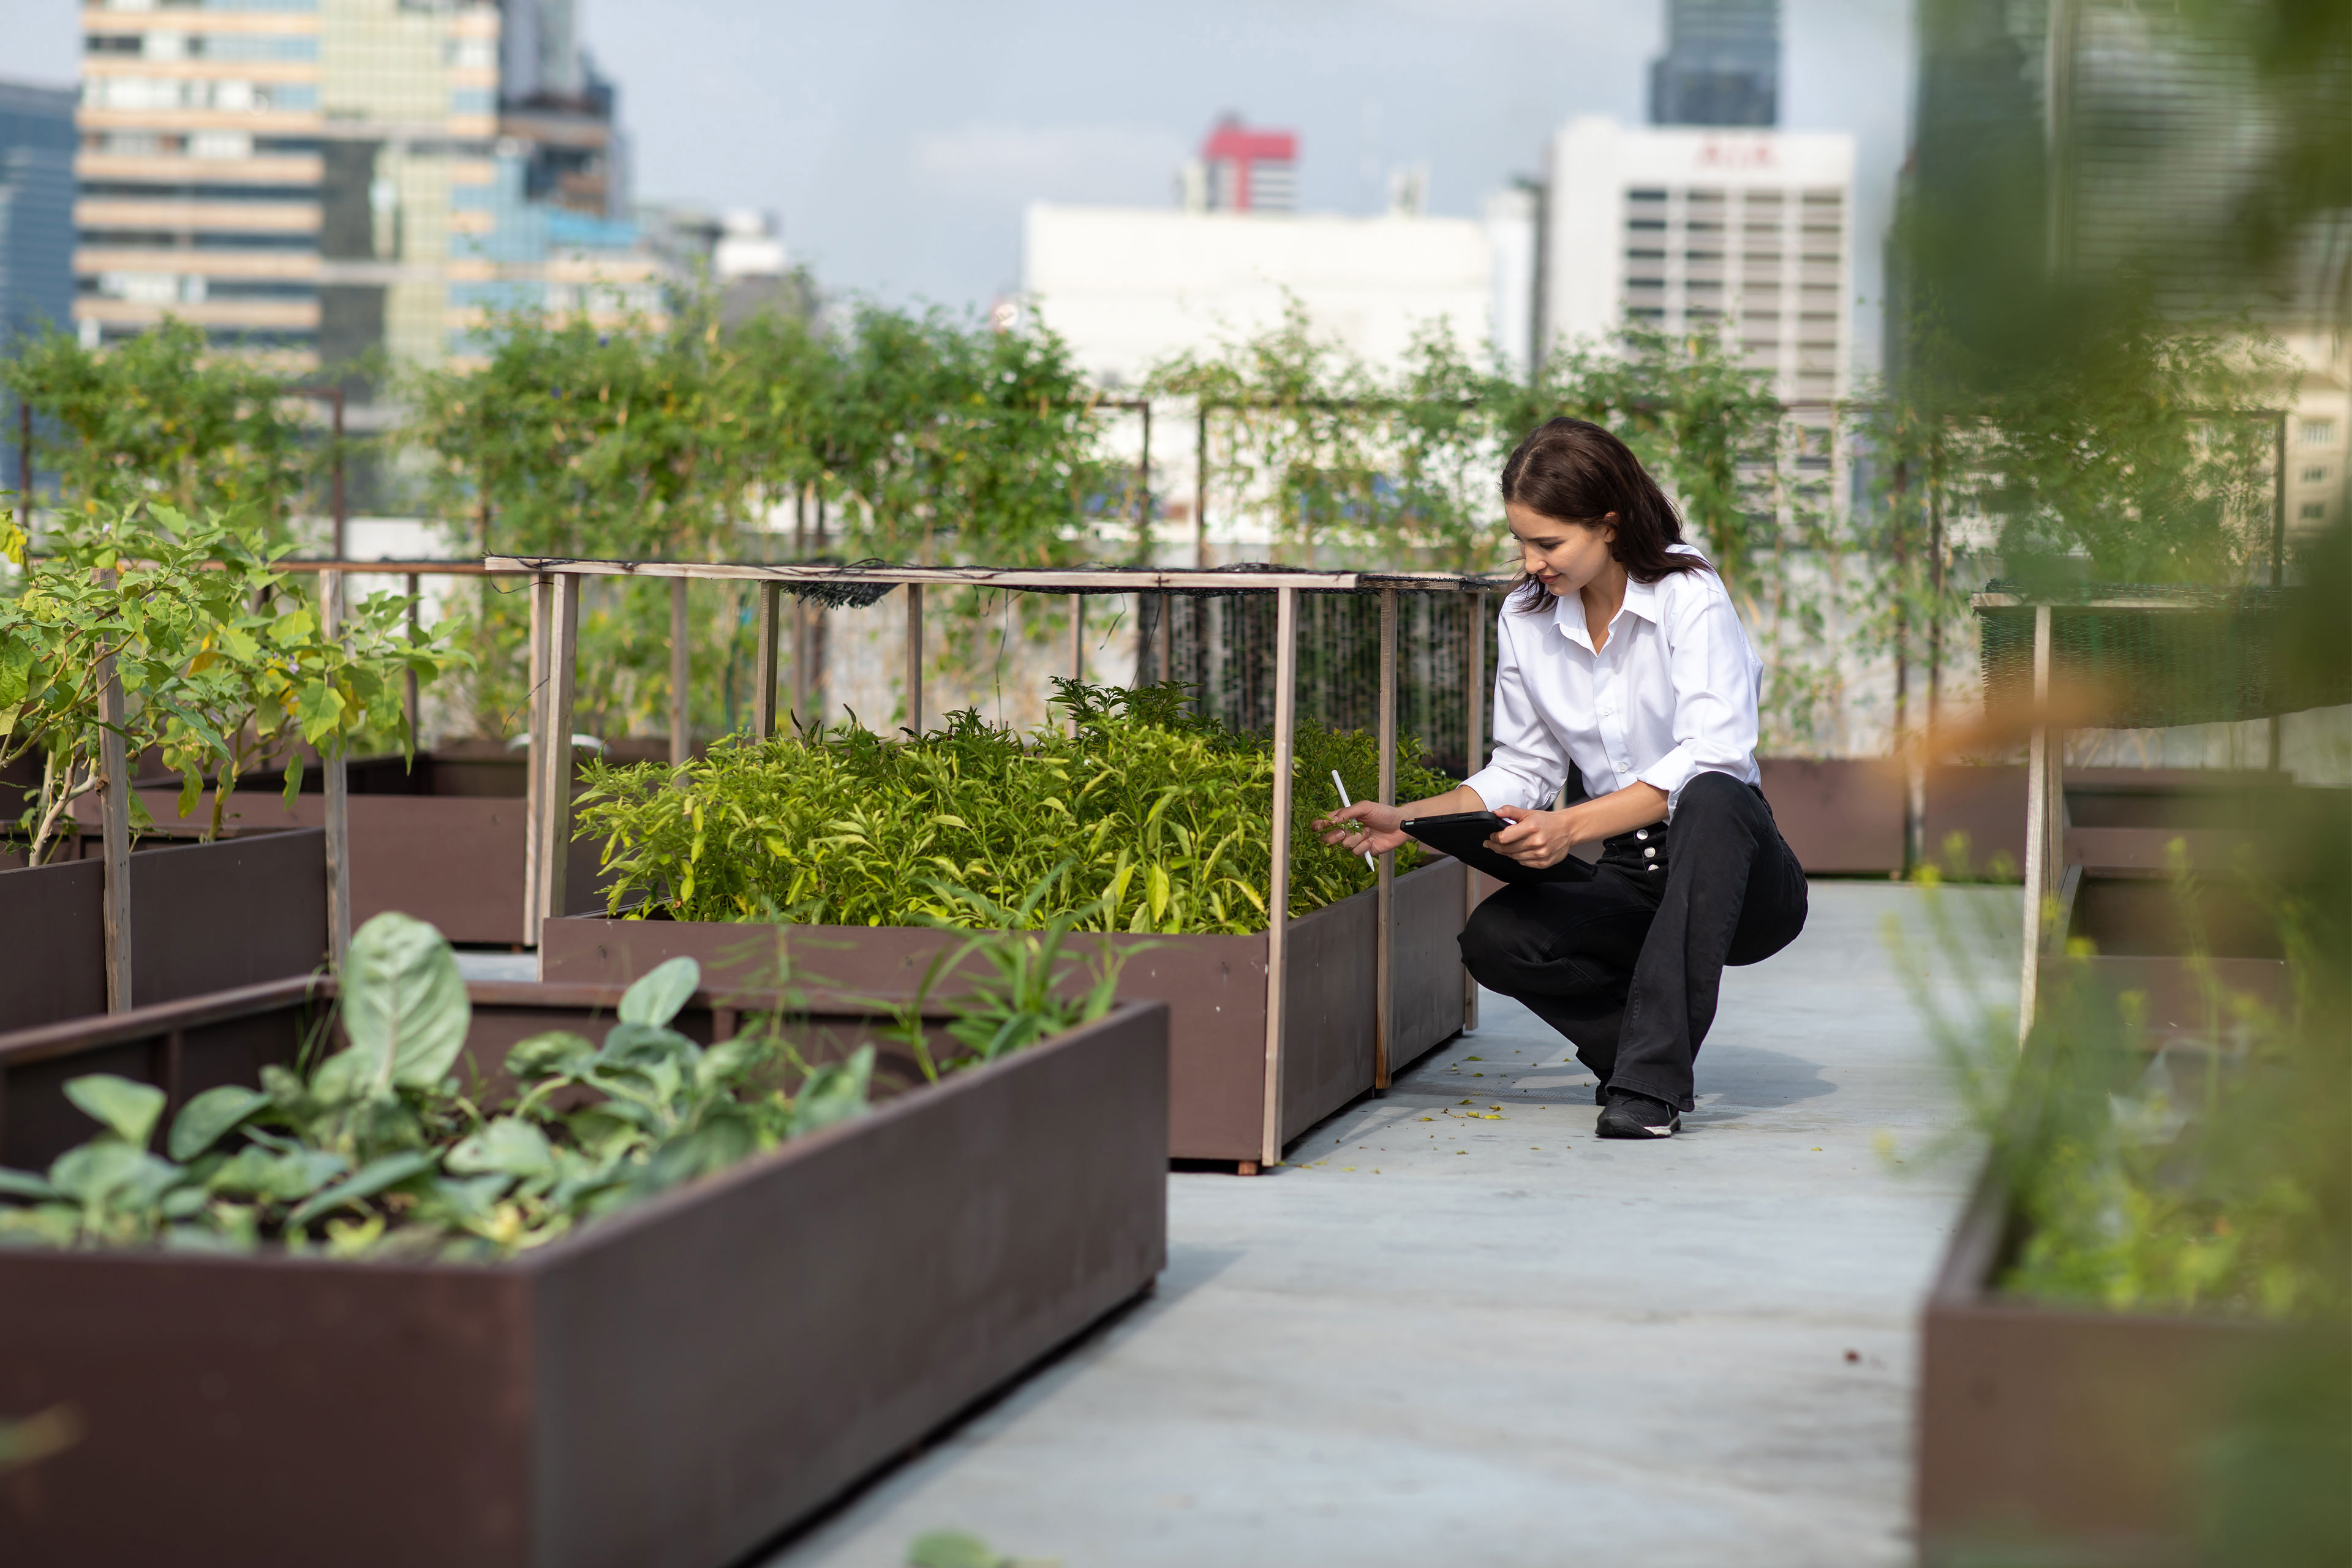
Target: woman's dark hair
(1572,470)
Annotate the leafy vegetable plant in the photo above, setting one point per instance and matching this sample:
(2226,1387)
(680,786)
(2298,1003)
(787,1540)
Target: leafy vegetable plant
(1138,818)
(378,1150)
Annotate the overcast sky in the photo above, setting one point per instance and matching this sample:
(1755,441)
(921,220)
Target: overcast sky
(898,140)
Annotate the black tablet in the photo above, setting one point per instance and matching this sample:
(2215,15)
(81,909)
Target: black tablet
(1463,835)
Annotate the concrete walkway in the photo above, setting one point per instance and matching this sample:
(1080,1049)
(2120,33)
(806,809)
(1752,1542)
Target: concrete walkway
(1433,1339)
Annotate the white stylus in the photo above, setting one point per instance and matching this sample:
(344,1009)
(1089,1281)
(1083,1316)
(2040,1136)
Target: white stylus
(1342,788)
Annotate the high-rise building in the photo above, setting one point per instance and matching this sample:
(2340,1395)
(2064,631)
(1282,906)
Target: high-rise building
(1242,171)
(1722,64)
(1746,232)
(323,177)
(37,141)
(2102,140)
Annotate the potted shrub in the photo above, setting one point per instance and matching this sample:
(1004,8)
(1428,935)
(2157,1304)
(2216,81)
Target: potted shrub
(423,1269)
(851,853)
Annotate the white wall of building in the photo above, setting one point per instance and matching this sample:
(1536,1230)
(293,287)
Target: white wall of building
(1128,286)
(1688,225)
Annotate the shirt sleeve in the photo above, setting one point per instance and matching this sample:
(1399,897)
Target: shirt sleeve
(1527,765)
(1714,697)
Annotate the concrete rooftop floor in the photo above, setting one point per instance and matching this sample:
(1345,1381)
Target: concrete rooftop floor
(1430,1339)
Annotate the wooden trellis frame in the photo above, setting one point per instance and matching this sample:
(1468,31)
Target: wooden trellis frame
(556,586)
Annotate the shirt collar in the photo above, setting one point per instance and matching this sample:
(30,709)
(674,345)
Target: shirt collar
(1641,599)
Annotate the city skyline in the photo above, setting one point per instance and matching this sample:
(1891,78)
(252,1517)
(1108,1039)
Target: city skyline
(901,168)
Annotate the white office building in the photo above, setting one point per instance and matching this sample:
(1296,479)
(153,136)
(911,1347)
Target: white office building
(1697,227)
(1128,286)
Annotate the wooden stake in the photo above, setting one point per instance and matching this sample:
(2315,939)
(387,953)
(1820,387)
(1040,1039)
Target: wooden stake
(555,780)
(763,664)
(337,770)
(1277,900)
(115,839)
(1078,636)
(914,659)
(681,675)
(1474,700)
(542,594)
(2041,879)
(416,706)
(1383,975)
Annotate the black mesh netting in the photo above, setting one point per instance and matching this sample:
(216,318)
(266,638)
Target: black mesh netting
(1224,646)
(2193,656)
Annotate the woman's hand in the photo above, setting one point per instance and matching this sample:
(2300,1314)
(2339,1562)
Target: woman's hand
(1537,838)
(1367,825)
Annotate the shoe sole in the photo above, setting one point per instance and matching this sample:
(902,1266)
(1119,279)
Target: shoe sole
(1635,1132)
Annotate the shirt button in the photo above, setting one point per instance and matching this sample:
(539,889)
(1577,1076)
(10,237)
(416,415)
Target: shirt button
(1641,832)
(1654,867)
(1651,852)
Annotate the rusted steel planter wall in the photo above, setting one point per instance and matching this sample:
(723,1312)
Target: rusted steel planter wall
(1840,815)
(204,917)
(670,1387)
(1215,988)
(2078,1432)
(445,842)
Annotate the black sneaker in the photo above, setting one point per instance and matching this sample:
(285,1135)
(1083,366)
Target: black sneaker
(1632,1115)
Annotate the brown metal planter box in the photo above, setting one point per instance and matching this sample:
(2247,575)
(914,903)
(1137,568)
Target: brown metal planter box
(204,917)
(445,844)
(1840,815)
(669,1387)
(2078,1434)
(1215,988)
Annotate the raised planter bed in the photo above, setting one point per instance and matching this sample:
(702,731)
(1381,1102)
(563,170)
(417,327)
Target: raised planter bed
(1840,815)
(669,1387)
(202,917)
(2070,1436)
(445,841)
(1214,986)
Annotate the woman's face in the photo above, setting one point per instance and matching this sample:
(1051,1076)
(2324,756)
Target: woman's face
(1563,556)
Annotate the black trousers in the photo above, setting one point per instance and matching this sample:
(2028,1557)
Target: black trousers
(1628,964)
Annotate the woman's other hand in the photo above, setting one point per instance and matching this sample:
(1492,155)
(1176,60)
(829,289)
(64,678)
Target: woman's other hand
(1367,825)
(1537,838)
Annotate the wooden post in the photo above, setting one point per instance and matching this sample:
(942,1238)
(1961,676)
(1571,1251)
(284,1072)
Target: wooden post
(2278,556)
(556,759)
(914,680)
(2041,874)
(1201,491)
(1474,714)
(542,594)
(1077,639)
(415,707)
(763,664)
(1278,899)
(681,675)
(115,839)
(337,770)
(1384,974)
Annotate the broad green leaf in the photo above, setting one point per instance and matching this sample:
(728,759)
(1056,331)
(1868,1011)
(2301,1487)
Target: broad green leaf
(404,1005)
(834,1093)
(660,992)
(279,1178)
(202,1120)
(24,1184)
(128,1109)
(559,1053)
(516,1148)
(96,1170)
(375,1176)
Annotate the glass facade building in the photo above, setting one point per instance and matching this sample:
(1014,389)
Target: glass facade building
(316,179)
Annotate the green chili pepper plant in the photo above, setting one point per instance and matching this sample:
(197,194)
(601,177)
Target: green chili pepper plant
(1137,815)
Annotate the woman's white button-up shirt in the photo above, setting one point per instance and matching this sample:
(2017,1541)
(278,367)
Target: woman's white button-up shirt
(1671,695)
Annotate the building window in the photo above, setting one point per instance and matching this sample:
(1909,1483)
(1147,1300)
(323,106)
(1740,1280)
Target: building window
(1647,313)
(2315,476)
(1647,223)
(2314,512)
(1645,255)
(2319,432)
